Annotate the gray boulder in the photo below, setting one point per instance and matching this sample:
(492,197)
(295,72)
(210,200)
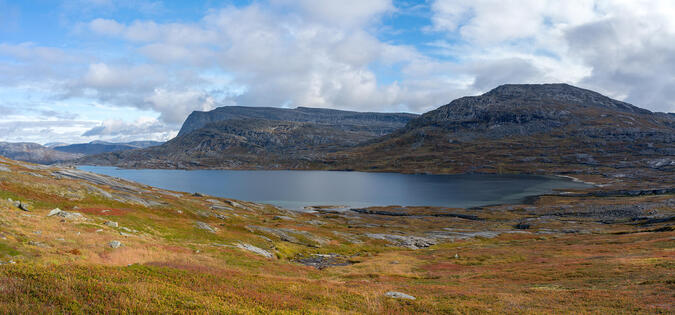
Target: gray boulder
(115,244)
(65,214)
(399,295)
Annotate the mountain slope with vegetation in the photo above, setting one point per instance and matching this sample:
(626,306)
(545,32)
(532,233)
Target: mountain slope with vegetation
(545,129)
(77,242)
(541,129)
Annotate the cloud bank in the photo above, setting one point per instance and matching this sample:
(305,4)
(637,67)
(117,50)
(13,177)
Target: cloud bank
(357,55)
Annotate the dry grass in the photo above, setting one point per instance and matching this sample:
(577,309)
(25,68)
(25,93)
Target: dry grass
(168,265)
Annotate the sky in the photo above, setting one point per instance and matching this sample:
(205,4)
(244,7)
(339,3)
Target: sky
(82,70)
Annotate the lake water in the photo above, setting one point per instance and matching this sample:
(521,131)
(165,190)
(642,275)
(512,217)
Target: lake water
(297,189)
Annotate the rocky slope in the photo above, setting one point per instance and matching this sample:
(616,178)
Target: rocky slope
(549,128)
(251,137)
(243,143)
(376,123)
(36,153)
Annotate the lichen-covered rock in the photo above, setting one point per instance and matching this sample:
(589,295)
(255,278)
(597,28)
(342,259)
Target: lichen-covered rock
(66,215)
(399,295)
(204,226)
(253,249)
(409,241)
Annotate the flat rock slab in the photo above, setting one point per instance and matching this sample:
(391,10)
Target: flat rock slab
(205,227)
(256,250)
(412,242)
(399,295)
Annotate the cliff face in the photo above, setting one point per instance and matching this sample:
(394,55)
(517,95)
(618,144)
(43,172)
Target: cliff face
(254,137)
(379,123)
(242,143)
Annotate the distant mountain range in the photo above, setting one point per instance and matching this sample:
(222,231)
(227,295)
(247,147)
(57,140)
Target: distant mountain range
(34,153)
(543,128)
(97,147)
(62,152)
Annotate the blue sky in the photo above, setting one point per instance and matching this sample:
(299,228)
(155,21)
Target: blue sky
(83,70)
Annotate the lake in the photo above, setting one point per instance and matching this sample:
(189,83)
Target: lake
(297,189)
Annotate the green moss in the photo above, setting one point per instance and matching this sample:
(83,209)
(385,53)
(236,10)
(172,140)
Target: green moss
(8,250)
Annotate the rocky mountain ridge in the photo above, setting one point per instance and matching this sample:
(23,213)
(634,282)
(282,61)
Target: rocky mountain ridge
(379,123)
(98,147)
(35,153)
(540,129)
(282,138)
(543,129)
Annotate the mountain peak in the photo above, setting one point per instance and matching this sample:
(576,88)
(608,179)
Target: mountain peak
(560,93)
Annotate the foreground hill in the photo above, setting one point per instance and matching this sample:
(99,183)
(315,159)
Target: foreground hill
(251,137)
(77,242)
(549,128)
(36,153)
(98,147)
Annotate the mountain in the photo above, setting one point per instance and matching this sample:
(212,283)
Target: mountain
(378,123)
(284,138)
(540,129)
(33,152)
(544,128)
(55,144)
(97,147)
(143,144)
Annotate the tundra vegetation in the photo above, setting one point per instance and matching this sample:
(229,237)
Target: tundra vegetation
(74,242)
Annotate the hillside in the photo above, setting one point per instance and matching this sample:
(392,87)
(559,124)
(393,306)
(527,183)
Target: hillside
(283,139)
(550,128)
(77,242)
(36,153)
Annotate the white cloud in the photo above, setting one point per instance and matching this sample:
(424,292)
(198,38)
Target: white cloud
(121,131)
(106,27)
(175,106)
(101,75)
(332,54)
(345,13)
(620,47)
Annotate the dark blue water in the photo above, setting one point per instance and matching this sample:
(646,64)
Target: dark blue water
(297,189)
